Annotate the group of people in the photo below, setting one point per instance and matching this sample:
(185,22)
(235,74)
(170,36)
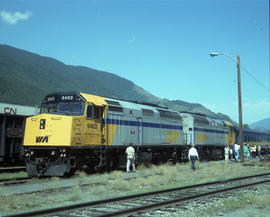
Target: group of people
(232,152)
(248,151)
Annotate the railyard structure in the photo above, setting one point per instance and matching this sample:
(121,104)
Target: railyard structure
(12,122)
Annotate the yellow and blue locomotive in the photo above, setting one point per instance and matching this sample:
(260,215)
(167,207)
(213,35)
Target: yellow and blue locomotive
(78,130)
(83,131)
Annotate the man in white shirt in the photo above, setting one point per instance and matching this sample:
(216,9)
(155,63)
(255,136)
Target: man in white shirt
(193,156)
(130,157)
(236,149)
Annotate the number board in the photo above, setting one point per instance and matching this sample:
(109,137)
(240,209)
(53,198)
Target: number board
(65,97)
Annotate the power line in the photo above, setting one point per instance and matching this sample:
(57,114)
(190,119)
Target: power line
(224,54)
(255,78)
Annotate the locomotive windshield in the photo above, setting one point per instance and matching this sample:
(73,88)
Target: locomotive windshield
(63,104)
(70,108)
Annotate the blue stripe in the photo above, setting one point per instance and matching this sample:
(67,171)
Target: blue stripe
(144,124)
(209,130)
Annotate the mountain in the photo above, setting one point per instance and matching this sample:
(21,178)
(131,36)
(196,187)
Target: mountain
(261,125)
(27,77)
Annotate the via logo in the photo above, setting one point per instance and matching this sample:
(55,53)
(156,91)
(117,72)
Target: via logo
(42,139)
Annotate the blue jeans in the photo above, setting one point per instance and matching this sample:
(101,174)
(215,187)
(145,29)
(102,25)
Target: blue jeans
(193,159)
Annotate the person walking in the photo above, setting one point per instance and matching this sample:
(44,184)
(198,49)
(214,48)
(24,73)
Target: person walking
(193,156)
(130,158)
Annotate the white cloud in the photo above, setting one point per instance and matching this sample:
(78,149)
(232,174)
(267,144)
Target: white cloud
(13,18)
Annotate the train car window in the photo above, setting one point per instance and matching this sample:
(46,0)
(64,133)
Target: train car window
(94,112)
(169,115)
(115,108)
(203,121)
(112,102)
(49,108)
(90,112)
(98,112)
(176,116)
(147,112)
(70,108)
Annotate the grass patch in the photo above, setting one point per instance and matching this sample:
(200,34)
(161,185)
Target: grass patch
(13,175)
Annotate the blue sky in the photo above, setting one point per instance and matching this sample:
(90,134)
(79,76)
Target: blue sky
(162,46)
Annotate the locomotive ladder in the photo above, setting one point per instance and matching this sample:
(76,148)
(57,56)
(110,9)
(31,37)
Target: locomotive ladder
(102,147)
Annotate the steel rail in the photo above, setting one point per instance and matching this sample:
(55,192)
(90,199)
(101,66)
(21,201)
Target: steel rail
(14,181)
(172,202)
(149,206)
(12,170)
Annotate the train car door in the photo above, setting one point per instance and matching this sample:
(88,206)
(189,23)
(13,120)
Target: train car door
(93,125)
(140,131)
(188,139)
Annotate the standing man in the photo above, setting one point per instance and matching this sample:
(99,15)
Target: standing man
(245,151)
(130,157)
(259,151)
(236,149)
(193,156)
(226,154)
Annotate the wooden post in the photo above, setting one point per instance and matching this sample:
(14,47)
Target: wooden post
(240,109)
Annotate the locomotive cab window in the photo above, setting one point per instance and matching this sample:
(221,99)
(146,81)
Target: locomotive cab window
(94,112)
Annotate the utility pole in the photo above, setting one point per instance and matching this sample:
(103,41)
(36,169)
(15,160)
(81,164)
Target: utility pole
(240,110)
(239,101)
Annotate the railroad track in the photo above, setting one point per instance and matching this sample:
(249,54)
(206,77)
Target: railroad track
(12,169)
(152,202)
(21,180)
(14,181)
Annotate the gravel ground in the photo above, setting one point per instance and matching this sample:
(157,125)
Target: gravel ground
(217,207)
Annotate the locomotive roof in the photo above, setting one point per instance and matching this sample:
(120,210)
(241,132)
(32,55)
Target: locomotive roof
(100,100)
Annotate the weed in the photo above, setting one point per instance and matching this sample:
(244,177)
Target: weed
(116,175)
(121,185)
(80,174)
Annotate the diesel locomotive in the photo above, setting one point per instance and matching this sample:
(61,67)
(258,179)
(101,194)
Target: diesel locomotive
(83,131)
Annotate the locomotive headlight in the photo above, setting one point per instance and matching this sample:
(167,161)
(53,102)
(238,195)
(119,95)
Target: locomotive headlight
(42,124)
(53,153)
(32,152)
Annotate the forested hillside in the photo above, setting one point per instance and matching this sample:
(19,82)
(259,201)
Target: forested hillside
(27,77)
(261,125)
